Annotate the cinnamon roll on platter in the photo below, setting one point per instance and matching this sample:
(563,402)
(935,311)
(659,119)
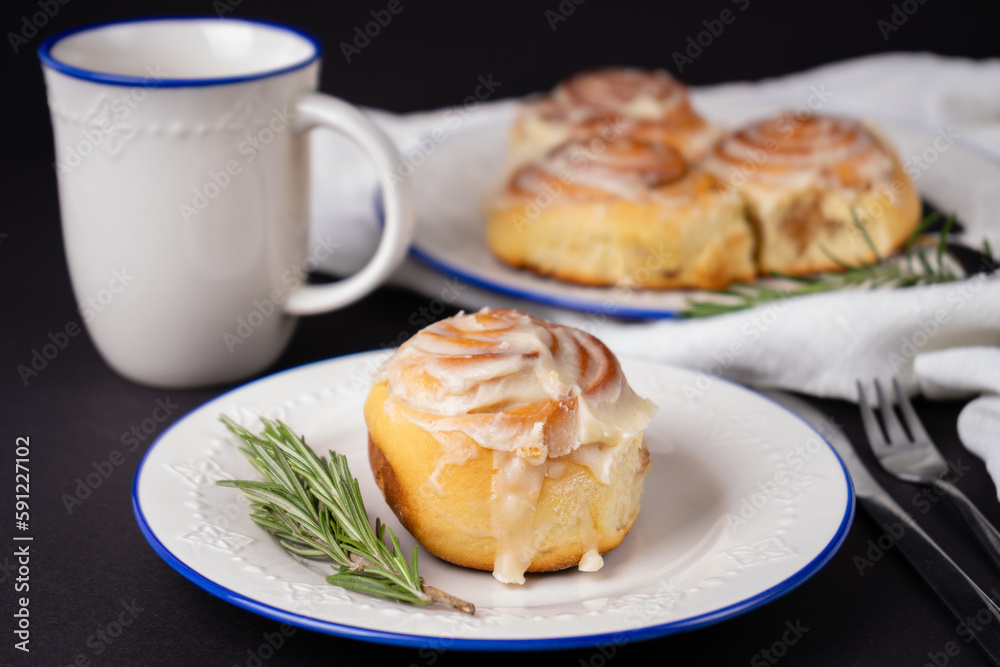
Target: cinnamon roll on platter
(808,182)
(506,443)
(601,212)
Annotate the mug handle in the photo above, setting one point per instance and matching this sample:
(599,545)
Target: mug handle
(314,110)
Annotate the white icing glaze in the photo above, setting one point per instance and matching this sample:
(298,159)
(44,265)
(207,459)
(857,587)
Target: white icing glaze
(622,168)
(515,488)
(632,92)
(591,561)
(609,103)
(599,459)
(785,154)
(511,382)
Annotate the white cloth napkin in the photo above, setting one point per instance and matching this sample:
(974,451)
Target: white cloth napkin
(822,344)
(960,372)
(819,344)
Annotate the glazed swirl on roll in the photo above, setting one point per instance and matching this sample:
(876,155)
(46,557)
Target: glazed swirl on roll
(611,102)
(611,91)
(593,168)
(786,150)
(511,382)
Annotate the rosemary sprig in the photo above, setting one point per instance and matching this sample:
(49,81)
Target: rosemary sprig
(912,267)
(313,508)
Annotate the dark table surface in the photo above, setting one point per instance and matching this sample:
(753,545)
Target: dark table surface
(88,565)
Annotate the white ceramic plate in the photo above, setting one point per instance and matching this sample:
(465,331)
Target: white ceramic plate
(743,503)
(463,173)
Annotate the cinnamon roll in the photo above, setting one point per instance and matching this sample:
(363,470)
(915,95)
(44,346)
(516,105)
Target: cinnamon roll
(507,443)
(612,102)
(804,179)
(625,211)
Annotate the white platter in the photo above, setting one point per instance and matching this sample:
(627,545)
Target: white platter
(743,503)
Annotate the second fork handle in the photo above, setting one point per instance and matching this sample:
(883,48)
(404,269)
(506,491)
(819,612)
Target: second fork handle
(959,593)
(984,531)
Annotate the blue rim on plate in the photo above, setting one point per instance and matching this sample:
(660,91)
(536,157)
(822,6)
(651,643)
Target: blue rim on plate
(535,644)
(543,298)
(45,55)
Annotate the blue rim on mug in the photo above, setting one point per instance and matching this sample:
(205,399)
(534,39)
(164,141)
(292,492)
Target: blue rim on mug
(45,55)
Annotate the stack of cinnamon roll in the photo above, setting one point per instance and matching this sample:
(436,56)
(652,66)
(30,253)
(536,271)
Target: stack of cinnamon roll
(616,179)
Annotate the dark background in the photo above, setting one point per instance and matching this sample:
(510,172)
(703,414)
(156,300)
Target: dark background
(86,565)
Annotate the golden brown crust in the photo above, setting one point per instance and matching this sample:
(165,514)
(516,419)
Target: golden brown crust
(690,233)
(455,524)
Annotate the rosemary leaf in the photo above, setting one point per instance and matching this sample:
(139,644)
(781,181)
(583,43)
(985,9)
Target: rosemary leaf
(313,508)
(942,243)
(924,262)
(911,267)
(865,236)
(836,260)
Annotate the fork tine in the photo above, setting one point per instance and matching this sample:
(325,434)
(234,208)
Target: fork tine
(874,431)
(912,420)
(893,428)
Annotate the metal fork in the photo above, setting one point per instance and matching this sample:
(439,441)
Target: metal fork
(918,460)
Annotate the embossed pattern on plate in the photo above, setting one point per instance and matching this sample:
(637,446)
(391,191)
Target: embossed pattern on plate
(743,503)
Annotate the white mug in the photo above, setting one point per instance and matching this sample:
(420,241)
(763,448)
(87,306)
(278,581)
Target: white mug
(182,161)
